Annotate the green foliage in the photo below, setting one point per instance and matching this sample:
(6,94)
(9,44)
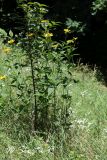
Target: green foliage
(75,25)
(3,33)
(98,5)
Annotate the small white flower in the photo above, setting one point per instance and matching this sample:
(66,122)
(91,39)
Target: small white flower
(83,93)
(11,149)
(105,130)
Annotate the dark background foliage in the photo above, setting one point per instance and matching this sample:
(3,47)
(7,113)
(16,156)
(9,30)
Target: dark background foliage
(12,17)
(92,44)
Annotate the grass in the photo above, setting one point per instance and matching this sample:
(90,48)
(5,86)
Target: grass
(87,135)
(90,108)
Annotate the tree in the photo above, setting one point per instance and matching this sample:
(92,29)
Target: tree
(12,17)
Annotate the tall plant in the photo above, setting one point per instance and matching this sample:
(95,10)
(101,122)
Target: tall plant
(50,73)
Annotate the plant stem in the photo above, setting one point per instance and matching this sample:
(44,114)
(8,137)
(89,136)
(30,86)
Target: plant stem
(35,108)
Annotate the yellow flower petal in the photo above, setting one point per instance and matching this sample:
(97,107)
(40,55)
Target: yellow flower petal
(66,30)
(75,38)
(2,77)
(11,41)
(70,41)
(44,21)
(30,34)
(55,46)
(47,35)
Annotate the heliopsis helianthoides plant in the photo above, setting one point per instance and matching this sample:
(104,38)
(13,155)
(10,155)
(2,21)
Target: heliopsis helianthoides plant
(47,71)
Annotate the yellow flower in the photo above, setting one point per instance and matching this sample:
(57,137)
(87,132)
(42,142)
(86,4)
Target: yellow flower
(44,21)
(11,41)
(2,77)
(7,50)
(47,35)
(70,41)
(66,30)
(55,46)
(30,34)
(75,38)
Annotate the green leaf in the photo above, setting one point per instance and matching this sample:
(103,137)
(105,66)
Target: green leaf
(10,33)
(3,32)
